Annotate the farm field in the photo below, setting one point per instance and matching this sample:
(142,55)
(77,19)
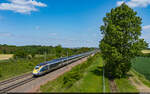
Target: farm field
(142,66)
(145,51)
(5,56)
(85,84)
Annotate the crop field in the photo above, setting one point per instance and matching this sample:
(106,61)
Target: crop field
(142,66)
(5,56)
(145,51)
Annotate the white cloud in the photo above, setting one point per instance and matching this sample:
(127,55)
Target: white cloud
(119,3)
(146,27)
(22,6)
(135,3)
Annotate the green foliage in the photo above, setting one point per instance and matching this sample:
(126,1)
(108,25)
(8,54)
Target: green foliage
(71,77)
(77,73)
(33,50)
(20,54)
(121,42)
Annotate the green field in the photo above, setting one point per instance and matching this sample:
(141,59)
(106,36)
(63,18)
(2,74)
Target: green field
(142,66)
(91,81)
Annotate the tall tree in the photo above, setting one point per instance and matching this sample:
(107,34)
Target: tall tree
(121,42)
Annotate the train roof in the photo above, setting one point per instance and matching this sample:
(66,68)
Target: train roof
(50,62)
(59,59)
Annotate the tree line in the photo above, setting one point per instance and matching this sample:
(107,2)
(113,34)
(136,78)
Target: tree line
(32,50)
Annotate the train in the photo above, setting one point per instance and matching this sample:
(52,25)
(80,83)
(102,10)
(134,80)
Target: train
(48,66)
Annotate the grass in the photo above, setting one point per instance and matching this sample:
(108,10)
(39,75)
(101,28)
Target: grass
(145,51)
(90,82)
(5,56)
(124,85)
(142,66)
(140,69)
(19,66)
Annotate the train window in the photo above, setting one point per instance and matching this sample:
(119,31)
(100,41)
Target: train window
(53,65)
(37,67)
(44,68)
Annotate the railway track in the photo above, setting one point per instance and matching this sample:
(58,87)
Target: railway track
(10,87)
(14,79)
(7,88)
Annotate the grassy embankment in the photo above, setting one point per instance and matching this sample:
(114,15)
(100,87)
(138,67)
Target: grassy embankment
(141,69)
(15,67)
(85,77)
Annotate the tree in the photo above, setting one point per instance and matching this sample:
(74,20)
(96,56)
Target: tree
(59,51)
(121,42)
(20,54)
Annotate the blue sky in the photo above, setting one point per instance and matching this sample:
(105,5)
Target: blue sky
(71,23)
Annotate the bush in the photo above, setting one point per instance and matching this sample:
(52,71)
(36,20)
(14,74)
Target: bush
(77,72)
(30,64)
(71,77)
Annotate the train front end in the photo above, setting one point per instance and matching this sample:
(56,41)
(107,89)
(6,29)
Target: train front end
(36,71)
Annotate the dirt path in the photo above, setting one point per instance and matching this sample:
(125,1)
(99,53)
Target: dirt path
(139,85)
(113,86)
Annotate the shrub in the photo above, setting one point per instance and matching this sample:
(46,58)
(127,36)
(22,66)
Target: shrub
(77,72)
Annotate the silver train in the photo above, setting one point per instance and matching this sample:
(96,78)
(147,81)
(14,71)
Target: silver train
(48,66)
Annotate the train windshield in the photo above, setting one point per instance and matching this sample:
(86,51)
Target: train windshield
(37,67)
